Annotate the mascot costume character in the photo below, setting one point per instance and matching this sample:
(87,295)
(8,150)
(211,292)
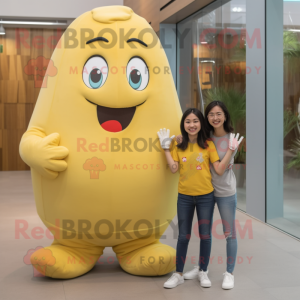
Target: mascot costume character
(99,176)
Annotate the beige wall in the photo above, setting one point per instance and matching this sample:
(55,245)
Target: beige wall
(173,13)
(51,9)
(146,9)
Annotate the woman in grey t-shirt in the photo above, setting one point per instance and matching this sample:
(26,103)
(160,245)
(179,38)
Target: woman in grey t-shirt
(219,125)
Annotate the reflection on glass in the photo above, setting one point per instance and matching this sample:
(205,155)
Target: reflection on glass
(212,66)
(290,222)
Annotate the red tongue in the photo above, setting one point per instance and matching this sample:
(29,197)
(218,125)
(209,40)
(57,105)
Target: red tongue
(112,126)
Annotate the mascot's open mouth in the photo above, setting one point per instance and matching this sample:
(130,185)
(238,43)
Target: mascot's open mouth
(114,119)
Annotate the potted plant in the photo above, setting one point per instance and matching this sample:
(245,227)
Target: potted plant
(291,51)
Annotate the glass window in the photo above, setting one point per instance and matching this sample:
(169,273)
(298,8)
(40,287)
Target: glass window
(211,61)
(285,213)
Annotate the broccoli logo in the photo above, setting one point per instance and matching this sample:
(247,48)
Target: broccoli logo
(39,258)
(40,68)
(94,165)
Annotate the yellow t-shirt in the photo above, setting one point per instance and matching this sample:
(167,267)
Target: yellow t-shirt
(195,176)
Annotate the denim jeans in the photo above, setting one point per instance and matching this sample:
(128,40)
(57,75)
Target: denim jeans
(227,208)
(186,205)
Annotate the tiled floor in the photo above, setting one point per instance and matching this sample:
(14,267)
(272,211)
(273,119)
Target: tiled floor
(268,268)
(290,222)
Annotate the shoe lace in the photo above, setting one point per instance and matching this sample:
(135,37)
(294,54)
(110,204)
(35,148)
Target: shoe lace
(172,277)
(227,276)
(203,275)
(195,267)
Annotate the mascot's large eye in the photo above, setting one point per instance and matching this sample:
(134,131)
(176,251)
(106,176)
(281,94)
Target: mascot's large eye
(95,72)
(137,74)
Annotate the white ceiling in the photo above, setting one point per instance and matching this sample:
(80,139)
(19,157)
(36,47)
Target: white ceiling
(63,9)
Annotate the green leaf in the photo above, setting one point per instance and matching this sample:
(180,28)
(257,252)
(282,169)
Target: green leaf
(295,162)
(291,45)
(290,122)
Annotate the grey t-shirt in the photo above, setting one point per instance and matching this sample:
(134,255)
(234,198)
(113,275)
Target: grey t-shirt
(224,185)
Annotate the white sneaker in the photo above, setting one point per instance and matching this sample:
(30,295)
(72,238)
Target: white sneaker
(203,278)
(192,274)
(173,281)
(228,281)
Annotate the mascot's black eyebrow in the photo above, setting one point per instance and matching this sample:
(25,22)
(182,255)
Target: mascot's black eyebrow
(99,38)
(137,40)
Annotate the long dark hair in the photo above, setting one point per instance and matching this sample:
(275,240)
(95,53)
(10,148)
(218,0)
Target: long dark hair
(202,134)
(227,124)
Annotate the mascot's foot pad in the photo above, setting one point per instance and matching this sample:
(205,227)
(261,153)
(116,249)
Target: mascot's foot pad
(151,260)
(58,261)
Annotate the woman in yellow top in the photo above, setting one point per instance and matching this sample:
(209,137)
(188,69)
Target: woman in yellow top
(192,157)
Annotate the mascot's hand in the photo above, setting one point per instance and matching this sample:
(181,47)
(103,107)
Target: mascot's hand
(44,155)
(164,138)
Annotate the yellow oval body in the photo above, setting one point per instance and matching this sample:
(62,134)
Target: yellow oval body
(136,183)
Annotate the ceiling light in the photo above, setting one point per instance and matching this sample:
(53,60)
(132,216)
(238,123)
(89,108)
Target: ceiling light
(33,23)
(208,61)
(237,9)
(2,30)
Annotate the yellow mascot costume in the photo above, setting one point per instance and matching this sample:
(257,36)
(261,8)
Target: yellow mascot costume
(99,175)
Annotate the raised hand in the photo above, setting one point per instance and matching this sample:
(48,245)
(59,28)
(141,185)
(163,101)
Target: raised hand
(234,142)
(164,138)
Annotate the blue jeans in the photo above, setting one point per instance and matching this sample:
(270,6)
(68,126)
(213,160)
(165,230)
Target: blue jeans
(185,211)
(227,208)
